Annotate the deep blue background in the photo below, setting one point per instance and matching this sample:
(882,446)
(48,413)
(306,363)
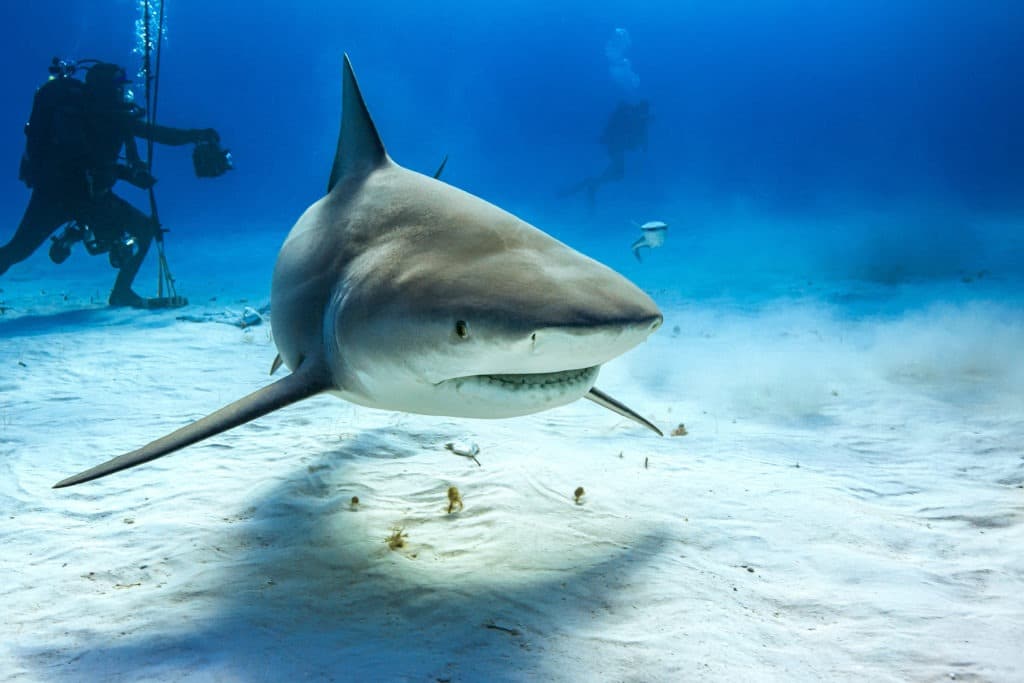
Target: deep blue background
(794,108)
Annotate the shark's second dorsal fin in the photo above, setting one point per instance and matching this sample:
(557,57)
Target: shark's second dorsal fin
(360,149)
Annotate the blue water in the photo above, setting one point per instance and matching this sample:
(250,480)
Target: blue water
(858,123)
(843,287)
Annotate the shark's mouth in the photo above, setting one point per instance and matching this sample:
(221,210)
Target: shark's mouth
(566,379)
(526,389)
(555,388)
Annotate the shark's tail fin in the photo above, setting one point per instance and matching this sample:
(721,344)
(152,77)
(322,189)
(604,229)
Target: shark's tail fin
(299,385)
(642,242)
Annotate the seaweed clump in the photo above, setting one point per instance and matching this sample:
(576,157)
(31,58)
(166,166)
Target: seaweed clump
(397,538)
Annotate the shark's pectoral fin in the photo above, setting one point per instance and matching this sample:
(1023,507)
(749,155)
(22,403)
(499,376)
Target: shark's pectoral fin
(301,384)
(603,399)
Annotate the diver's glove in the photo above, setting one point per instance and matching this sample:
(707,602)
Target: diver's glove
(207,135)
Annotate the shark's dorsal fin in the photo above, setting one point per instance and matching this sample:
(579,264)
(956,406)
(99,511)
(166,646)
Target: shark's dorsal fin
(440,169)
(360,149)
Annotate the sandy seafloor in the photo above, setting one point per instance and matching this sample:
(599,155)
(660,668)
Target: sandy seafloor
(846,505)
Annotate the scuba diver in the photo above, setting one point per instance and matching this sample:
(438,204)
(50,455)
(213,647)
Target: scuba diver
(625,131)
(74,138)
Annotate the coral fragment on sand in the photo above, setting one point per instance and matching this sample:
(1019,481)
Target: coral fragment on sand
(454,499)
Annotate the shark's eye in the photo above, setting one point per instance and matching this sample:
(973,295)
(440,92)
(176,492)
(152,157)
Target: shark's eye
(462,329)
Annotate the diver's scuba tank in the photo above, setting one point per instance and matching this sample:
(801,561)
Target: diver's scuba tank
(43,135)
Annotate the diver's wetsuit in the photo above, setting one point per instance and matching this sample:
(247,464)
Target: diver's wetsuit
(71,164)
(626,130)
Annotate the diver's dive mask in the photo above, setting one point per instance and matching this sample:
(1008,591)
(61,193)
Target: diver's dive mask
(108,84)
(62,68)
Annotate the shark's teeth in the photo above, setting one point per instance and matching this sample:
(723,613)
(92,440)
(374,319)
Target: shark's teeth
(535,381)
(541,379)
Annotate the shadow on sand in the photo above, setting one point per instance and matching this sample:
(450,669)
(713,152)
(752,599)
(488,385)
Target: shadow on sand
(298,589)
(95,317)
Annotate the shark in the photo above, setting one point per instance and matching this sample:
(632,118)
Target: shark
(400,292)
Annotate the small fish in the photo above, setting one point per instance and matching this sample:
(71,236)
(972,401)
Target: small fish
(652,236)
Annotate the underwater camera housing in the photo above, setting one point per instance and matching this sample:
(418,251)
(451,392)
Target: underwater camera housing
(121,248)
(211,160)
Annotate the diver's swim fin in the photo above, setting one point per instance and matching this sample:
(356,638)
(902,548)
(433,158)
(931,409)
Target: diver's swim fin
(165,302)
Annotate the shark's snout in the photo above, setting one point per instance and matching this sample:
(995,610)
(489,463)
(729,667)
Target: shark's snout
(545,347)
(593,344)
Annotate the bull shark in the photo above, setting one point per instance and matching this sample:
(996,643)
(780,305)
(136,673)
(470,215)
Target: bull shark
(400,292)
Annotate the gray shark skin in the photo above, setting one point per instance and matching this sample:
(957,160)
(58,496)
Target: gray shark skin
(399,292)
